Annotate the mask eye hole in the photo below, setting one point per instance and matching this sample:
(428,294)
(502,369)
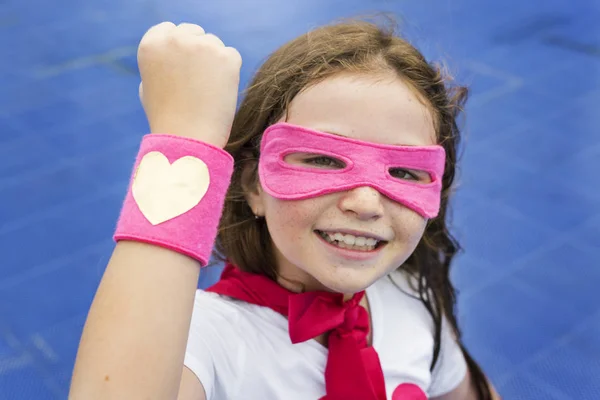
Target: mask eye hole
(410,175)
(314,161)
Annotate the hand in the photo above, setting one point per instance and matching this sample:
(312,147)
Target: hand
(190,82)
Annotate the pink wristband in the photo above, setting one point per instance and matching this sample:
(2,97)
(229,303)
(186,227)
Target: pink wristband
(176,195)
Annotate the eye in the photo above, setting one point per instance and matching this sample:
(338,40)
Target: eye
(410,175)
(324,161)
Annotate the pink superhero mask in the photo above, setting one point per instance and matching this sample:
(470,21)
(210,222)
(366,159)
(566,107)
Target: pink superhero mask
(361,164)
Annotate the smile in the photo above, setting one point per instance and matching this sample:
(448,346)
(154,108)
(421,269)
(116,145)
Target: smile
(349,246)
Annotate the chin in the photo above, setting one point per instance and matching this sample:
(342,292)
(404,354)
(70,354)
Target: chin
(347,283)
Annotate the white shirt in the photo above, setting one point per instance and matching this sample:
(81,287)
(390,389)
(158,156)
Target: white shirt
(243,351)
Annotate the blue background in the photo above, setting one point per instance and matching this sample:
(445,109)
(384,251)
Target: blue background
(527,209)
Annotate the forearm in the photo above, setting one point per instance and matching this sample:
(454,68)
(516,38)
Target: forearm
(134,339)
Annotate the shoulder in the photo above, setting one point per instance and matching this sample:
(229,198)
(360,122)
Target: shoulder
(409,336)
(399,295)
(225,336)
(225,315)
(398,311)
(214,325)
(211,305)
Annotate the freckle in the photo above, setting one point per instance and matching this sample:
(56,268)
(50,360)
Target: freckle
(106,378)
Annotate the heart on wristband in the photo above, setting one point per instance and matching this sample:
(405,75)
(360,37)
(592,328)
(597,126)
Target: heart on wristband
(164,191)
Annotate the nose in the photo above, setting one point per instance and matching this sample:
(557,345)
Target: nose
(364,202)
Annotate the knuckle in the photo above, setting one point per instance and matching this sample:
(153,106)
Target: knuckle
(234,56)
(159,28)
(191,27)
(146,46)
(155,35)
(214,39)
(166,24)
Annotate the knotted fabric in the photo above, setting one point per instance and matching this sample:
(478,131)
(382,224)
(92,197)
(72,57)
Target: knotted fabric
(353,369)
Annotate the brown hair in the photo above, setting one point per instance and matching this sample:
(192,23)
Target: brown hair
(359,47)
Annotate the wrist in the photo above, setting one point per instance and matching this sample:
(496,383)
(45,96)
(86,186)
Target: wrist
(176,195)
(210,133)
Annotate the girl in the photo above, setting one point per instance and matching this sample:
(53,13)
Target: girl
(338,169)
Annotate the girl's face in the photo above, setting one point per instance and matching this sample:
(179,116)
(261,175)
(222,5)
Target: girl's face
(380,109)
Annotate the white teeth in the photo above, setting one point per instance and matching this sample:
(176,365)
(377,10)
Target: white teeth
(348,241)
(351,239)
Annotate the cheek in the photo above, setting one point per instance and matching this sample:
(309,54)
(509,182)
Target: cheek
(410,226)
(290,224)
(291,218)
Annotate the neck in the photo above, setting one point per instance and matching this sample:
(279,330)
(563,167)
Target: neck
(297,286)
(297,280)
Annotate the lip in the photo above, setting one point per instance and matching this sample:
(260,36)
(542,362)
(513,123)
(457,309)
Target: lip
(355,233)
(355,255)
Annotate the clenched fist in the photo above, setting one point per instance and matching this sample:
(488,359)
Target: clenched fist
(190,82)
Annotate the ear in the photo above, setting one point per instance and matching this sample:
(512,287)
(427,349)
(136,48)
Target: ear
(253,191)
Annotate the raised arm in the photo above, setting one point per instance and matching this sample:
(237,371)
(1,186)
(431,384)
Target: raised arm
(135,336)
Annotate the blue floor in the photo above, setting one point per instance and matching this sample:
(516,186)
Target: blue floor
(527,211)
